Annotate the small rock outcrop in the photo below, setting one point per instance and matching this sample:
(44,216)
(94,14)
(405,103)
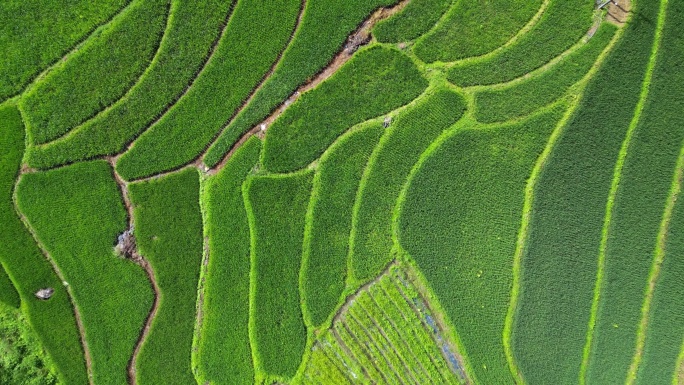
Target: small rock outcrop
(45,293)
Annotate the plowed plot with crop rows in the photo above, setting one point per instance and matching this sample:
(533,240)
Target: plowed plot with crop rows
(341,192)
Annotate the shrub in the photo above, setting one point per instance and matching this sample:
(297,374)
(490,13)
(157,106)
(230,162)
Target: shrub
(276,206)
(168,230)
(562,24)
(416,19)
(235,69)
(459,222)
(185,47)
(375,82)
(559,264)
(96,75)
(323,30)
(399,149)
(522,98)
(473,28)
(78,227)
(35,34)
(53,320)
(224,354)
(329,220)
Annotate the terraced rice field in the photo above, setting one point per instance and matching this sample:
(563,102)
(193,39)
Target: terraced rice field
(341,192)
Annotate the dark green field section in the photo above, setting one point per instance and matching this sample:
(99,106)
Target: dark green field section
(8,293)
(524,97)
(276,207)
(473,28)
(53,320)
(193,30)
(375,82)
(559,265)
(234,70)
(81,244)
(329,217)
(171,240)
(35,34)
(399,149)
(322,31)
(414,20)
(665,333)
(96,75)
(459,222)
(562,24)
(224,355)
(385,334)
(638,210)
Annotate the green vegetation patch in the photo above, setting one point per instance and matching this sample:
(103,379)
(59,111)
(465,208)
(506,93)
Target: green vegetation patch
(522,98)
(329,220)
(35,34)
(96,75)
(637,213)
(563,24)
(389,166)
(459,222)
(416,19)
(193,27)
(276,207)
(473,28)
(53,321)
(23,360)
(168,231)
(8,293)
(79,227)
(559,264)
(324,27)
(375,82)
(234,70)
(224,355)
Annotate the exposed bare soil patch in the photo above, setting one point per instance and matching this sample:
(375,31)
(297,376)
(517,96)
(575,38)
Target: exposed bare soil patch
(618,11)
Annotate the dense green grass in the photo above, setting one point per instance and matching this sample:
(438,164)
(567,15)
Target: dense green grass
(79,227)
(8,293)
(559,265)
(328,223)
(522,98)
(96,75)
(224,354)
(562,25)
(416,19)
(375,82)
(35,34)
(665,331)
(234,70)
(474,27)
(53,320)
(168,230)
(22,361)
(192,29)
(389,166)
(459,222)
(637,212)
(324,27)
(276,207)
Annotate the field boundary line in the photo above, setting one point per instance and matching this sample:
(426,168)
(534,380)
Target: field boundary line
(267,75)
(70,51)
(658,258)
(60,275)
(531,23)
(140,78)
(678,376)
(201,282)
(617,174)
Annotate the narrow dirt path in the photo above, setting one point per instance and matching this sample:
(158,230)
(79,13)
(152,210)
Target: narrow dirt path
(137,258)
(358,38)
(60,275)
